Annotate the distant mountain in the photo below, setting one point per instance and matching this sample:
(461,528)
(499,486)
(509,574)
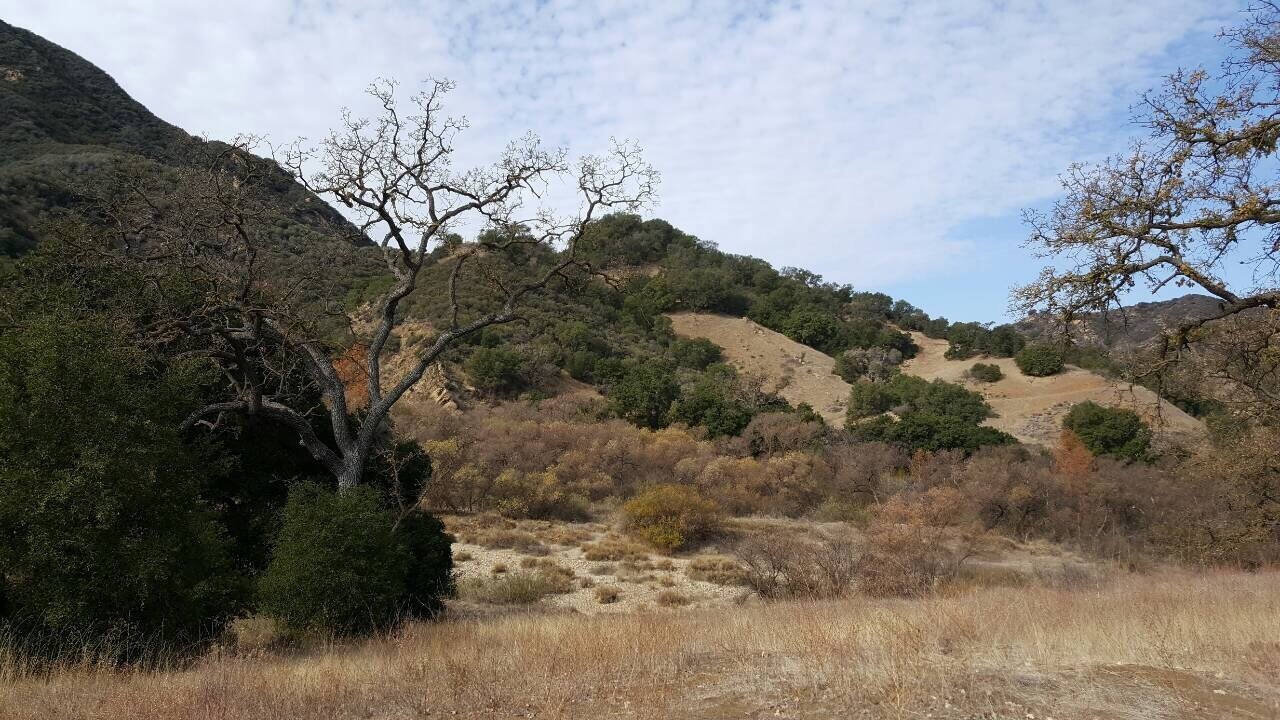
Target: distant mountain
(1128,327)
(61,118)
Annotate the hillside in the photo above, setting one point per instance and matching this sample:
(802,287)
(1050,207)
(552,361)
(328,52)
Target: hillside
(64,123)
(1125,328)
(797,373)
(1031,408)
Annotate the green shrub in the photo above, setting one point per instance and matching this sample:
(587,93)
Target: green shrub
(1039,360)
(927,431)
(429,574)
(104,535)
(713,403)
(338,565)
(671,517)
(815,327)
(581,365)
(986,372)
(696,353)
(496,370)
(948,400)
(867,399)
(1113,432)
(644,394)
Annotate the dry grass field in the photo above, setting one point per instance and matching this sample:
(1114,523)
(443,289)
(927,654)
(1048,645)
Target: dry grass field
(1170,645)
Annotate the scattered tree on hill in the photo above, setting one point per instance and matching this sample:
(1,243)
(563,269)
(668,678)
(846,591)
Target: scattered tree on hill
(1113,432)
(986,372)
(1202,195)
(393,173)
(1039,360)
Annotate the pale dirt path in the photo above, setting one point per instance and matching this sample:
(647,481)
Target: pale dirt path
(798,373)
(1031,409)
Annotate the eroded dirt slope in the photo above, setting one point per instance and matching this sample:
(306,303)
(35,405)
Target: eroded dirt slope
(796,372)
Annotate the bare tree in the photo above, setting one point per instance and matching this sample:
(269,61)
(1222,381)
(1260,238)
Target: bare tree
(394,173)
(1199,194)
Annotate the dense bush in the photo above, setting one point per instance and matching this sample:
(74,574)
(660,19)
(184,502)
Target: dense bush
(338,565)
(986,372)
(103,530)
(671,517)
(868,398)
(429,574)
(969,339)
(1039,360)
(931,415)
(696,353)
(713,401)
(928,431)
(644,394)
(1113,432)
(496,370)
(815,327)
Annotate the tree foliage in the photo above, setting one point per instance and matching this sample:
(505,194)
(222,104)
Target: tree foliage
(1109,431)
(1039,360)
(1199,196)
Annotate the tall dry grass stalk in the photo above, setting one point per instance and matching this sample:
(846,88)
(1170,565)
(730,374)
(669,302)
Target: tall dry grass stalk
(1141,646)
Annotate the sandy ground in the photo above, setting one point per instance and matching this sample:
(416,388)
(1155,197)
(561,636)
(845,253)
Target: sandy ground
(796,372)
(1031,409)
(638,580)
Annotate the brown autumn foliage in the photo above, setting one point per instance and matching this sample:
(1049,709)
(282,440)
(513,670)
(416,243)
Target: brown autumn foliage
(559,460)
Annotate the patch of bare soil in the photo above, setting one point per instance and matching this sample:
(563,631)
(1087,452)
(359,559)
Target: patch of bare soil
(642,578)
(797,373)
(1031,409)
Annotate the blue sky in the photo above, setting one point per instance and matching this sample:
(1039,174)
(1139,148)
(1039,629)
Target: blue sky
(891,147)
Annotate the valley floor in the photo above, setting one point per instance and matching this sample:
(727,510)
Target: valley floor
(1169,645)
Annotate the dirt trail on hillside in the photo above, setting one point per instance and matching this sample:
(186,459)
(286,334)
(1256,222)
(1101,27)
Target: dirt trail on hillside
(797,373)
(1031,409)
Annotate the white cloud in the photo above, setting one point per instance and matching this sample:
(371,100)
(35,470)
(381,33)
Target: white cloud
(850,138)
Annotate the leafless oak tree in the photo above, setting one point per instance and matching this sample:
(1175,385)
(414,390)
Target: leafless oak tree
(1200,193)
(395,175)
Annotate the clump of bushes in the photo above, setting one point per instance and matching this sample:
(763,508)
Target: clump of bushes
(671,517)
(931,415)
(342,564)
(986,372)
(337,565)
(789,566)
(1108,431)
(496,370)
(875,364)
(695,353)
(1039,360)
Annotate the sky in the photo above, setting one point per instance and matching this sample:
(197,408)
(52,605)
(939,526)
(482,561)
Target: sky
(890,146)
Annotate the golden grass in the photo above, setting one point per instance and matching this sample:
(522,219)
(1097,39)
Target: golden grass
(1169,645)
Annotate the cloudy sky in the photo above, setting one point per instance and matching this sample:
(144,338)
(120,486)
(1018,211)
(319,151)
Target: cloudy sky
(884,145)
